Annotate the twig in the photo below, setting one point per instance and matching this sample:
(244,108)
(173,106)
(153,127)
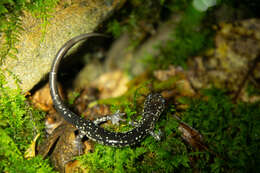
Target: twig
(251,69)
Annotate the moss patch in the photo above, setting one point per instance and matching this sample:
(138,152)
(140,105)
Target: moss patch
(19,123)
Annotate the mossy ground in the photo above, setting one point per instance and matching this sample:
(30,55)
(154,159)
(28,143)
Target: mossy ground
(19,124)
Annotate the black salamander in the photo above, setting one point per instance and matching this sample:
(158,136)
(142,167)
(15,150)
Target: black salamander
(153,107)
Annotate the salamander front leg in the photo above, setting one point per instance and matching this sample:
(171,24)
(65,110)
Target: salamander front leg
(114,118)
(78,142)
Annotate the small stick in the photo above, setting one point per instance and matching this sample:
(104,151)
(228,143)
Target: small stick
(252,67)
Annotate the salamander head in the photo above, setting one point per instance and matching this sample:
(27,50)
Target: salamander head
(154,103)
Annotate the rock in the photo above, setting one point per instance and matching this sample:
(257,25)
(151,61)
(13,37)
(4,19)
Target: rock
(61,146)
(121,56)
(112,84)
(36,53)
(88,74)
(42,100)
(237,47)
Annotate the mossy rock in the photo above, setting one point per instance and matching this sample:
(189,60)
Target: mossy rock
(36,50)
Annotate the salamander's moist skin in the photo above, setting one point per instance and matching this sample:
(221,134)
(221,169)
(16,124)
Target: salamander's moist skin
(153,107)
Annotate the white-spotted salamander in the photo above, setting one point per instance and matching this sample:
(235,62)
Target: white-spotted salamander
(153,107)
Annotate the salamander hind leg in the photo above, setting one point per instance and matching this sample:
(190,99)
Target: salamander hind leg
(156,135)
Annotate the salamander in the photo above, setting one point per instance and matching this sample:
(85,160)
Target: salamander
(154,105)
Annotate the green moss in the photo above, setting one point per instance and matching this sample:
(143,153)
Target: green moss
(168,84)
(231,132)
(72,96)
(138,86)
(12,158)
(42,10)
(19,124)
